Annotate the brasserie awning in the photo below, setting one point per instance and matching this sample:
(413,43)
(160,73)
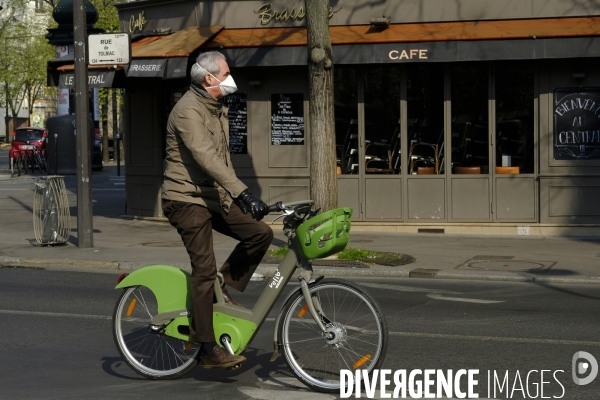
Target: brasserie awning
(61,73)
(167,56)
(96,79)
(569,37)
(159,56)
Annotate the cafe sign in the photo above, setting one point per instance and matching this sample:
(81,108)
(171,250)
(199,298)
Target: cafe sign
(577,124)
(137,22)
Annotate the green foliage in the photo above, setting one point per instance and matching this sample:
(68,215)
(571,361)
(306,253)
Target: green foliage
(24,54)
(108,18)
(279,253)
(346,254)
(357,254)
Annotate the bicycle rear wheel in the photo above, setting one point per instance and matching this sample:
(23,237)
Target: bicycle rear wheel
(145,347)
(356,336)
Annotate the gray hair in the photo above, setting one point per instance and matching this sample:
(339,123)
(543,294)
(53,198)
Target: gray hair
(206,63)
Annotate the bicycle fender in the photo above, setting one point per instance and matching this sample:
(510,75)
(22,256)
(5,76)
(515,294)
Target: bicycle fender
(276,330)
(170,286)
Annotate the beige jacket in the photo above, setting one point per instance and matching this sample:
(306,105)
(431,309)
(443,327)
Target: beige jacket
(198,166)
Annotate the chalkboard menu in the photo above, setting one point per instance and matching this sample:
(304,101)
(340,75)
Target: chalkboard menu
(238,122)
(287,119)
(577,124)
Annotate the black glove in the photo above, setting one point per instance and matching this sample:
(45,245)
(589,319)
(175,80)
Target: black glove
(246,202)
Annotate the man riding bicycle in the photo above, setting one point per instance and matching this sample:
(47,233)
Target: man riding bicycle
(201,192)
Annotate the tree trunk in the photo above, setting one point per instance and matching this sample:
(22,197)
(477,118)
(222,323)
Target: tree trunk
(323,179)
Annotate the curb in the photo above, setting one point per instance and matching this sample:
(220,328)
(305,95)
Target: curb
(54,263)
(265,271)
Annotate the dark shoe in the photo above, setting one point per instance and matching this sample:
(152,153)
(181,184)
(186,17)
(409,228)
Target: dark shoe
(229,300)
(220,358)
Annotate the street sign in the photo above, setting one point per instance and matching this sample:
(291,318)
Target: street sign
(109,48)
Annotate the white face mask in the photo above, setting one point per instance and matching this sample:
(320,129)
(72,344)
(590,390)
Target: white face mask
(227,86)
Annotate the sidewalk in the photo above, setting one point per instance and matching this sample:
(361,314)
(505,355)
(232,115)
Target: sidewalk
(126,244)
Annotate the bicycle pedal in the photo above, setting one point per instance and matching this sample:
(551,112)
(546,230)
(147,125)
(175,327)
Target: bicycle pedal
(233,367)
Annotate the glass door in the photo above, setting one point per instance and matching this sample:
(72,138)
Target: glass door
(381,155)
(426,181)
(515,187)
(469,165)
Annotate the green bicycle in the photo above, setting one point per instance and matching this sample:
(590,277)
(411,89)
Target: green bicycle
(324,325)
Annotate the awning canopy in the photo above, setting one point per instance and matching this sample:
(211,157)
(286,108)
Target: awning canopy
(179,44)
(160,56)
(167,56)
(434,42)
(97,78)
(414,33)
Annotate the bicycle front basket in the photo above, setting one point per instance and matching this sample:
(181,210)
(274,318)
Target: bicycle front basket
(325,234)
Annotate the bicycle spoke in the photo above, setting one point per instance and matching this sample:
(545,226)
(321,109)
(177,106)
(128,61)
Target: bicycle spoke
(355,331)
(147,352)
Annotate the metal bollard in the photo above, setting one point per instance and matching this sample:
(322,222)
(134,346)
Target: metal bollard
(56,154)
(118,155)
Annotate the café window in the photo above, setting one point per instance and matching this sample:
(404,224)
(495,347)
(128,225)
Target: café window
(470,139)
(346,119)
(382,120)
(514,83)
(425,119)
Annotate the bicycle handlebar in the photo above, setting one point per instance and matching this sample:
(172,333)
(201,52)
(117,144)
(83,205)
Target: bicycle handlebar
(279,206)
(276,207)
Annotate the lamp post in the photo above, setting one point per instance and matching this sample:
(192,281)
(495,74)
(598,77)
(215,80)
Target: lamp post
(85,228)
(75,20)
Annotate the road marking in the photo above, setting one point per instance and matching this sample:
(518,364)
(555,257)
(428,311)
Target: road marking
(262,394)
(402,334)
(288,382)
(401,288)
(436,294)
(283,381)
(53,314)
(495,339)
(440,297)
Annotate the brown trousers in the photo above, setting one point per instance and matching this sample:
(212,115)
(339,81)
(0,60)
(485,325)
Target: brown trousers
(195,224)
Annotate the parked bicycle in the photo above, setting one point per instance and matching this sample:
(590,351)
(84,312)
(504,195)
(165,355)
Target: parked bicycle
(324,325)
(29,157)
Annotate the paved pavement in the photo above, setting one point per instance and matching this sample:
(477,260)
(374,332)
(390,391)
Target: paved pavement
(122,243)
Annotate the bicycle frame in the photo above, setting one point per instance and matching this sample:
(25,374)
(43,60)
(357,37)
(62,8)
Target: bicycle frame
(238,326)
(235,327)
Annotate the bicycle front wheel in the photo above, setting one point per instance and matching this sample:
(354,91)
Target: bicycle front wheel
(145,347)
(356,334)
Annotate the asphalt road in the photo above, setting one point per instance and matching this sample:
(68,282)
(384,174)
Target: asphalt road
(56,341)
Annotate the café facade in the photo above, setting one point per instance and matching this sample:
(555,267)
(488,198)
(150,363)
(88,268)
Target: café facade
(467,116)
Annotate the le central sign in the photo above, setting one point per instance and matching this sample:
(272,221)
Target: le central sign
(109,48)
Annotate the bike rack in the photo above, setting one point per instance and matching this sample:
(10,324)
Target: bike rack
(51,214)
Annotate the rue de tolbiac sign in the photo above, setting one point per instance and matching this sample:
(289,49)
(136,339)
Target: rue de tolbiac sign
(109,48)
